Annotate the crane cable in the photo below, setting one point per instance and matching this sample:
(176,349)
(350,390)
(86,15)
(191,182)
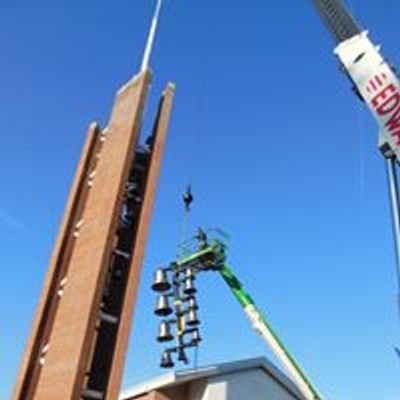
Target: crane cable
(210,28)
(205,26)
(188,199)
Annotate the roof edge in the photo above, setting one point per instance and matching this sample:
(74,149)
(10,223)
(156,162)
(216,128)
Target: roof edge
(180,377)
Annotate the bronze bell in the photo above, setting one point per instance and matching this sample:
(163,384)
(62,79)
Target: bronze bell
(182,355)
(196,338)
(193,304)
(160,283)
(189,287)
(192,319)
(164,332)
(189,274)
(163,308)
(166,360)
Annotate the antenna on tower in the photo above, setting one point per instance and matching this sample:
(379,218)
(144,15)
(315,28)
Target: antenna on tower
(151,37)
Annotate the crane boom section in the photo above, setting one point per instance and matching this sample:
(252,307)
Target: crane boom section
(374,79)
(377,84)
(337,19)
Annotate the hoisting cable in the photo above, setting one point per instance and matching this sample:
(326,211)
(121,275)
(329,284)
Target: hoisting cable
(187,202)
(397,350)
(207,28)
(187,198)
(194,156)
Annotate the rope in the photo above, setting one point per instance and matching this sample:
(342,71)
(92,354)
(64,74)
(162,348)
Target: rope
(208,30)
(187,201)
(195,153)
(183,231)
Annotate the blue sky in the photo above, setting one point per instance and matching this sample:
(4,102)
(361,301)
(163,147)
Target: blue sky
(279,152)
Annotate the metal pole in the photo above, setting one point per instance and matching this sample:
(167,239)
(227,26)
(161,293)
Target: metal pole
(151,37)
(395,206)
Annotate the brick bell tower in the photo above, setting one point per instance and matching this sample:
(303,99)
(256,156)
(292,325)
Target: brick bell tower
(79,337)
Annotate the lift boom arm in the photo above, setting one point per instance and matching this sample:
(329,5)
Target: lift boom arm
(213,257)
(261,325)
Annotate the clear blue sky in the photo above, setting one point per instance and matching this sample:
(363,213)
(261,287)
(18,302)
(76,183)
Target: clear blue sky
(279,151)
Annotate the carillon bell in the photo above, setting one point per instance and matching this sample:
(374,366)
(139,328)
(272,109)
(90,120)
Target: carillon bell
(182,355)
(189,287)
(196,338)
(161,283)
(189,274)
(164,332)
(166,360)
(192,319)
(193,304)
(163,309)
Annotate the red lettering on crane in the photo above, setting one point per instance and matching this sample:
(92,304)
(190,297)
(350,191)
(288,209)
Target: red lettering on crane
(387,103)
(394,121)
(375,83)
(383,96)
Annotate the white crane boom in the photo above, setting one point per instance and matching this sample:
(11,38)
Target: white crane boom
(374,79)
(377,84)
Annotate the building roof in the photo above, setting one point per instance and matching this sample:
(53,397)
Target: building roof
(176,378)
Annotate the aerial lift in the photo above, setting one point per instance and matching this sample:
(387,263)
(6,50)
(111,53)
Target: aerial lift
(376,83)
(201,254)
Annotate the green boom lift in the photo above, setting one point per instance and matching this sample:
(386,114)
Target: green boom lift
(210,255)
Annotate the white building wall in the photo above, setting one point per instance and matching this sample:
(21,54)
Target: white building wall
(246,385)
(197,389)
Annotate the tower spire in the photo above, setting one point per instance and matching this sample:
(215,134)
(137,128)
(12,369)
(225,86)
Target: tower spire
(151,37)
